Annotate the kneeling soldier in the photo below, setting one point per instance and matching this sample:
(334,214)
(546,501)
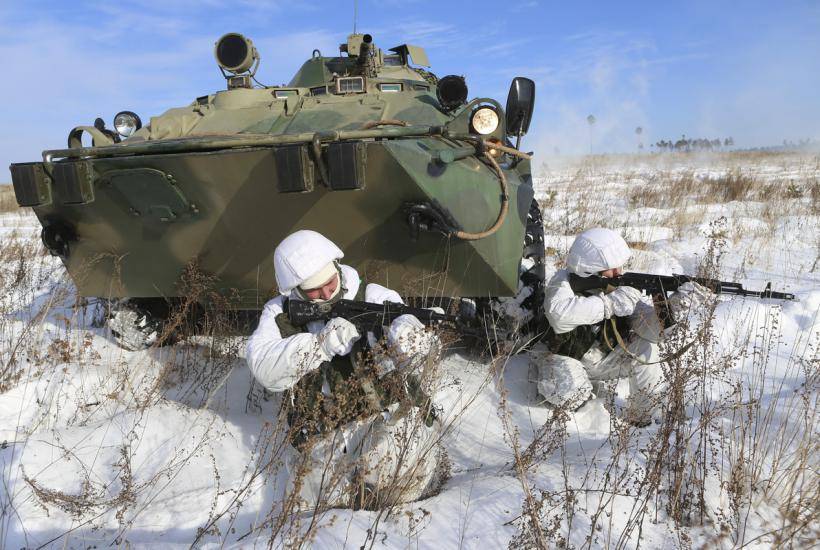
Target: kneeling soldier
(579,323)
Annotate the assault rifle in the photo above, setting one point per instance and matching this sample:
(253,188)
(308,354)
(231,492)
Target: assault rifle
(371,317)
(662,284)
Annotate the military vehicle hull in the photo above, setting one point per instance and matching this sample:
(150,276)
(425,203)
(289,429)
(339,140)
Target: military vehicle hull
(422,189)
(131,224)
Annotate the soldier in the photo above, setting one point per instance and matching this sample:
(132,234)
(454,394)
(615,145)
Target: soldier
(364,429)
(578,325)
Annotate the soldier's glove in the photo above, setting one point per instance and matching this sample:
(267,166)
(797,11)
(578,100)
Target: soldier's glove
(690,297)
(338,336)
(408,338)
(621,301)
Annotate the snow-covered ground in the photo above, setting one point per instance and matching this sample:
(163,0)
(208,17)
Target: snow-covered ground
(176,446)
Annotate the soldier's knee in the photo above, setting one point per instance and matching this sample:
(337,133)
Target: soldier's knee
(560,381)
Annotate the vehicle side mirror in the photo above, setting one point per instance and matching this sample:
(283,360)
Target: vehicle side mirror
(520,104)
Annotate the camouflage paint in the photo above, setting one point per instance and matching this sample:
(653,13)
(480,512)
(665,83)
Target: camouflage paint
(201,182)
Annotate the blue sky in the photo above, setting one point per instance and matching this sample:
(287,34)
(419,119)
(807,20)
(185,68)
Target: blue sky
(750,70)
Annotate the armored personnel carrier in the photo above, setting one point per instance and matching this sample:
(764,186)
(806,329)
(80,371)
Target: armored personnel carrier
(424,190)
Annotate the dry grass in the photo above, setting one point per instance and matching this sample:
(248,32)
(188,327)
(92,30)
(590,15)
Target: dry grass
(678,191)
(665,190)
(735,444)
(190,373)
(752,446)
(8,203)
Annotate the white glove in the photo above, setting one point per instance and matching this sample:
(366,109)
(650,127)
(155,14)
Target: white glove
(337,337)
(690,297)
(621,301)
(407,336)
(404,327)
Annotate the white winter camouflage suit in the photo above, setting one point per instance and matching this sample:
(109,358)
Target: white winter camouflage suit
(387,449)
(564,381)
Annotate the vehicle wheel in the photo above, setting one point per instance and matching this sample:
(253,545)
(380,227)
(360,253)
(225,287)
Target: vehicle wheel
(534,277)
(136,324)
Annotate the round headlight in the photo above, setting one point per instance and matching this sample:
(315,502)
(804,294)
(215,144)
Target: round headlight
(126,123)
(484,120)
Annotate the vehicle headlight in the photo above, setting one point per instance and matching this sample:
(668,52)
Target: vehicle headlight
(484,120)
(126,123)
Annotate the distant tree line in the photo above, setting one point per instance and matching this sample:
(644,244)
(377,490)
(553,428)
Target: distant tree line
(694,144)
(806,143)
(685,144)
(801,145)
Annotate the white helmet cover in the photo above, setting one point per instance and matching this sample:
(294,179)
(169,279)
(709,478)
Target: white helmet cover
(597,250)
(300,256)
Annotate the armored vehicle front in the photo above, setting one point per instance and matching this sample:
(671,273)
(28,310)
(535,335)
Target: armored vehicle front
(422,189)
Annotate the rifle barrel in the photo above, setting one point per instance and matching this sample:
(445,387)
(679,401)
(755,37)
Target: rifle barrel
(654,284)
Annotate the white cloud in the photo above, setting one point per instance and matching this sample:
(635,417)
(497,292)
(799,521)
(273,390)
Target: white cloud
(524,6)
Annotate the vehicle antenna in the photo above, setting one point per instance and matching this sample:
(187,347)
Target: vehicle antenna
(355,14)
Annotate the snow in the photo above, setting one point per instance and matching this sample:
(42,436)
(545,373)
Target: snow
(101,446)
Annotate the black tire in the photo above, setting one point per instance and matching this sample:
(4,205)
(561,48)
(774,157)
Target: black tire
(534,278)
